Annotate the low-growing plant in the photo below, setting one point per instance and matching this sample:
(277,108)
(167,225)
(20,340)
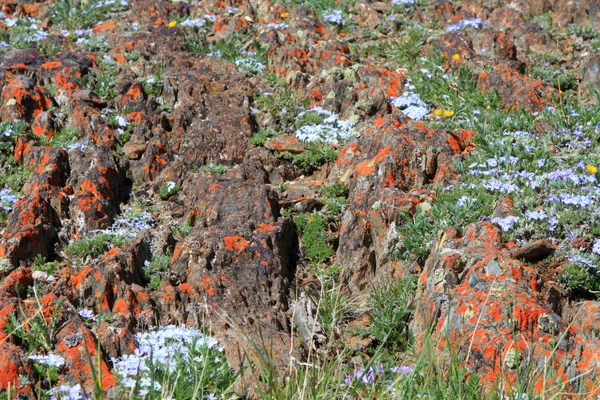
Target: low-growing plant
(314,157)
(215,169)
(391,305)
(41,264)
(93,246)
(73,15)
(167,190)
(36,333)
(183,229)
(155,270)
(316,242)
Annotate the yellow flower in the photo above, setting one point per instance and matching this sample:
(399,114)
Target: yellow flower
(284,14)
(591,169)
(438,112)
(172,24)
(488,107)
(448,113)
(456,57)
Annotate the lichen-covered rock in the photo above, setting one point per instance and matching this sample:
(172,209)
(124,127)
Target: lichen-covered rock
(495,310)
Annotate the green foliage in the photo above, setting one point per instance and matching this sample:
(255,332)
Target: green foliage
(93,246)
(36,334)
(314,157)
(391,305)
(155,269)
(167,190)
(40,264)
(335,198)
(316,242)
(71,14)
(63,138)
(201,374)
(581,277)
(14,176)
(259,138)
(216,169)
(183,229)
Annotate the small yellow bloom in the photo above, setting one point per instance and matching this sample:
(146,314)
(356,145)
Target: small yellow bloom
(456,57)
(405,41)
(284,14)
(172,24)
(591,169)
(488,107)
(448,113)
(438,112)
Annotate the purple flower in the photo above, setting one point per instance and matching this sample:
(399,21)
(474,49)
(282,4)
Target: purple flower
(87,314)
(536,215)
(403,369)
(552,223)
(596,247)
(582,260)
(564,174)
(51,360)
(465,200)
(471,22)
(505,223)
(416,113)
(334,16)
(495,184)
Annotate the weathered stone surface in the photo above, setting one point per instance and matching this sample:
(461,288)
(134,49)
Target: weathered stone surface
(472,292)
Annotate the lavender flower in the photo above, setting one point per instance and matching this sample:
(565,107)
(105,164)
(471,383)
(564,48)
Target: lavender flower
(334,16)
(465,200)
(65,392)
(536,215)
(87,314)
(596,247)
(412,105)
(160,348)
(194,23)
(581,260)
(51,360)
(250,64)
(505,223)
(470,22)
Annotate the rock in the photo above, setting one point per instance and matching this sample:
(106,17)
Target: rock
(535,251)
(285,143)
(134,151)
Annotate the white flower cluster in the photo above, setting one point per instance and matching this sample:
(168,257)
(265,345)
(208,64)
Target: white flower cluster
(411,104)
(250,65)
(160,348)
(332,128)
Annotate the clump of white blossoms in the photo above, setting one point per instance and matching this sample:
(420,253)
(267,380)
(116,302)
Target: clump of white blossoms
(331,130)
(250,65)
(411,105)
(173,351)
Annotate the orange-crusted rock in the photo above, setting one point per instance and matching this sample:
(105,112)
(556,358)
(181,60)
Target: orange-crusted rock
(496,313)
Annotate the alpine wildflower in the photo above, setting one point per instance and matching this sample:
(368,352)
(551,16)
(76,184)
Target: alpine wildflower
(172,24)
(456,57)
(591,169)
